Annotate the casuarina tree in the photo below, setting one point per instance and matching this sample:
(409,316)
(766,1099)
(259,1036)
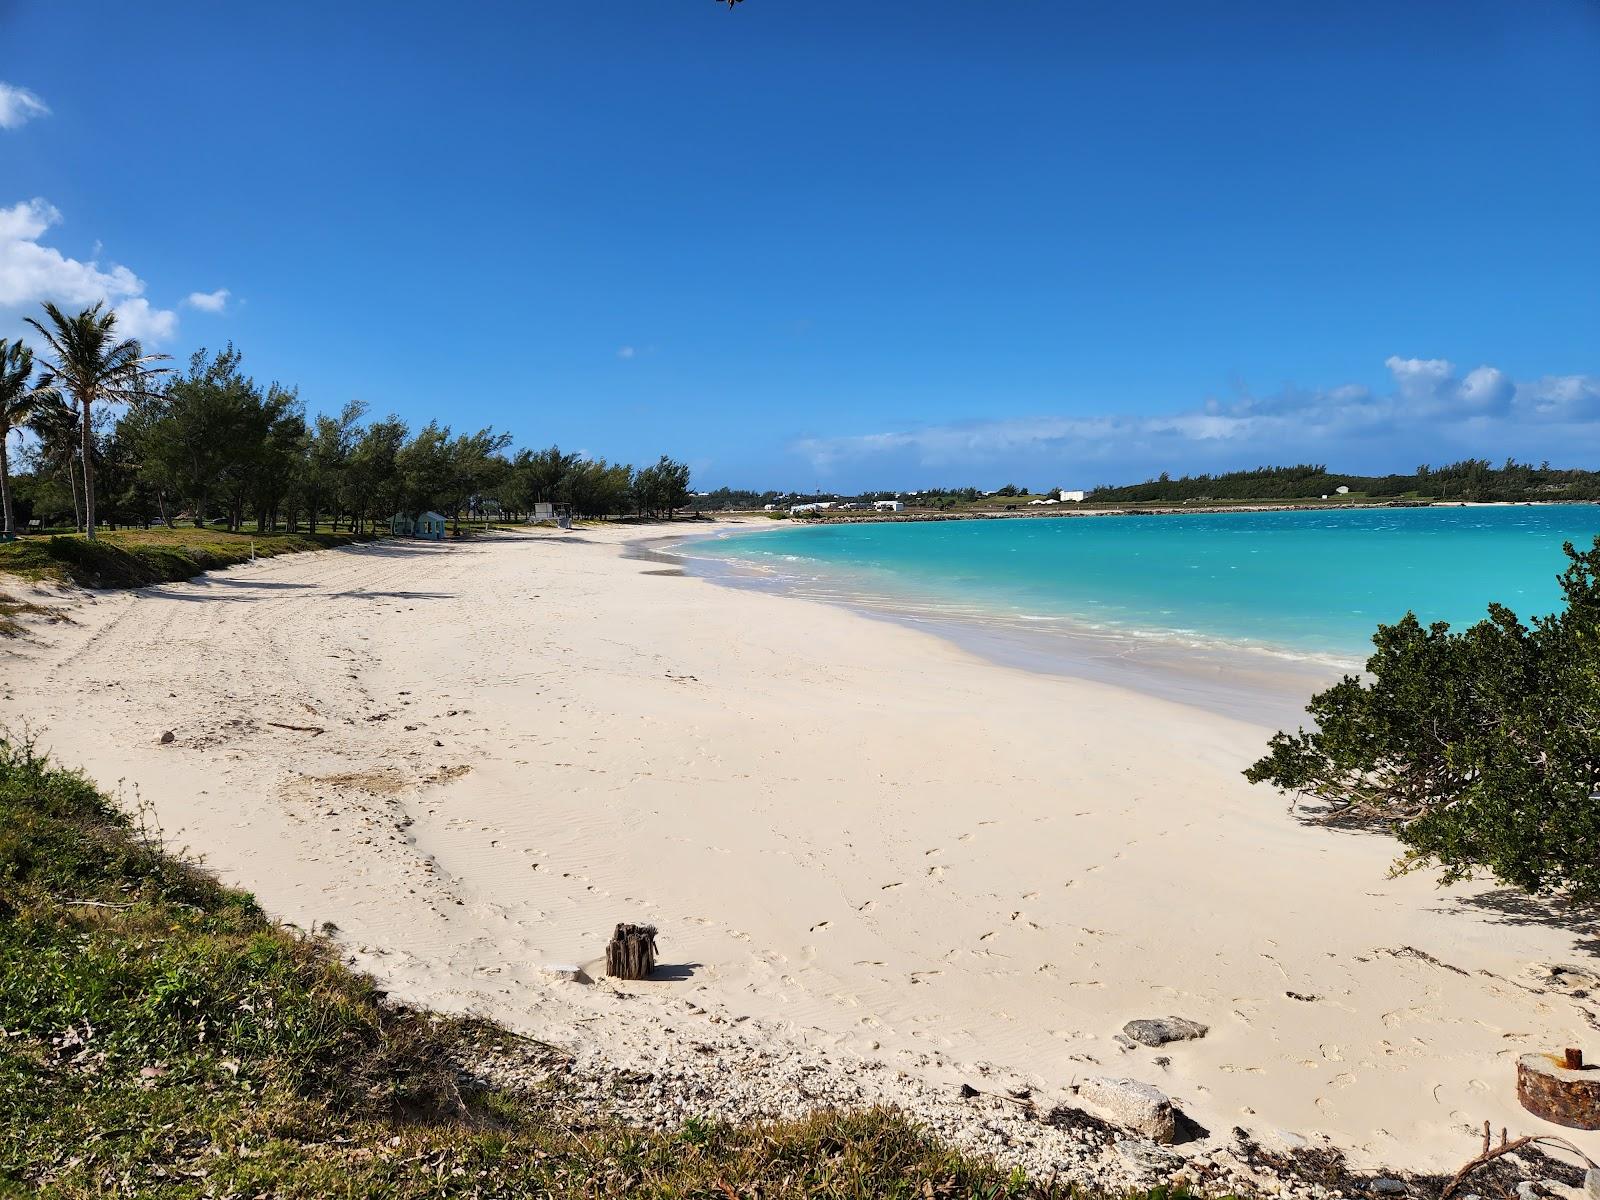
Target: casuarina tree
(20,401)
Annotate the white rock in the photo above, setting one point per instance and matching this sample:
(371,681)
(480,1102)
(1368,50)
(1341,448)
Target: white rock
(568,971)
(1134,1105)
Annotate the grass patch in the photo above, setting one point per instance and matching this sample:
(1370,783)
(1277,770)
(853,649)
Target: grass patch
(11,608)
(139,557)
(159,1036)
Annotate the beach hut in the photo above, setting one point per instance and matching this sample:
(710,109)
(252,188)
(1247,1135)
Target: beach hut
(543,510)
(430,525)
(402,525)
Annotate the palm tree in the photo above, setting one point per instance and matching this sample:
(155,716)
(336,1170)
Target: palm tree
(18,405)
(94,367)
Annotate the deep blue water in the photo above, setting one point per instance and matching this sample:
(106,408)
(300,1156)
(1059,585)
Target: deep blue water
(1312,582)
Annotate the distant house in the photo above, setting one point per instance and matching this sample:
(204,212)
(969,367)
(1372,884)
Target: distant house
(887,505)
(544,510)
(1077,496)
(429,525)
(796,510)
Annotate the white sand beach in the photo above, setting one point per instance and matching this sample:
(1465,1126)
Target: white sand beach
(855,837)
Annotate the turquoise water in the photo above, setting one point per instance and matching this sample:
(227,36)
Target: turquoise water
(1310,583)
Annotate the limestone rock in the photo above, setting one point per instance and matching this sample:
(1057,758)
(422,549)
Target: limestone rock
(1158,1031)
(1137,1106)
(1146,1156)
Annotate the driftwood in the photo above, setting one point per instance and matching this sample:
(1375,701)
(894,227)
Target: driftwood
(631,953)
(313,730)
(1506,1146)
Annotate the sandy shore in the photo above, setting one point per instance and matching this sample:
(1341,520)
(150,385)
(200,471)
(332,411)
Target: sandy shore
(859,840)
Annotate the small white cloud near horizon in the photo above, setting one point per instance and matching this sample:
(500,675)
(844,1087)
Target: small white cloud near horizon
(18,106)
(626,352)
(211,302)
(32,273)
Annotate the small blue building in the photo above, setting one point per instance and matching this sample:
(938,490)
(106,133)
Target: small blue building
(429,525)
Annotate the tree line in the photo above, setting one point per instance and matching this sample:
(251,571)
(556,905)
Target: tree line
(208,444)
(1471,479)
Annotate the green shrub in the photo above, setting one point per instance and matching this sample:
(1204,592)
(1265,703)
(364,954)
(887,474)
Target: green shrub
(1479,748)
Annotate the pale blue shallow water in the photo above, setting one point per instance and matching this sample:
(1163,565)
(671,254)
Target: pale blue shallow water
(1310,583)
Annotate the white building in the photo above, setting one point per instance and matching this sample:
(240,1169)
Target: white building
(887,505)
(1075,496)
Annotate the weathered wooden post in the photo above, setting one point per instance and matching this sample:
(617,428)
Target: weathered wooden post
(631,953)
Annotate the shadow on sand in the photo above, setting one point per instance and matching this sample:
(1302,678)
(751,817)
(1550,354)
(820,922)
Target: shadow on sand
(1508,906)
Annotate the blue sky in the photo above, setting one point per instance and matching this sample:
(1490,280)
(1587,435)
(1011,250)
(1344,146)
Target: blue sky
(868,243)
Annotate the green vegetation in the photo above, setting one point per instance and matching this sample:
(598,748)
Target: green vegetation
(12,608)
(90,364)
(1479,748)
(1472,479)
(160,1037)
(139,557)
(211,443)
(21,400)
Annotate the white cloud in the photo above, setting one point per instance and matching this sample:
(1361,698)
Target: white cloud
(1486,390)
(18,106)
(31,272)
(211,302)
(626,352)
(1431,409)
(136,319)
(1419,378)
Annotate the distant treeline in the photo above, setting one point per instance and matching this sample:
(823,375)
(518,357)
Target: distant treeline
(1472,479)
(210,445)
